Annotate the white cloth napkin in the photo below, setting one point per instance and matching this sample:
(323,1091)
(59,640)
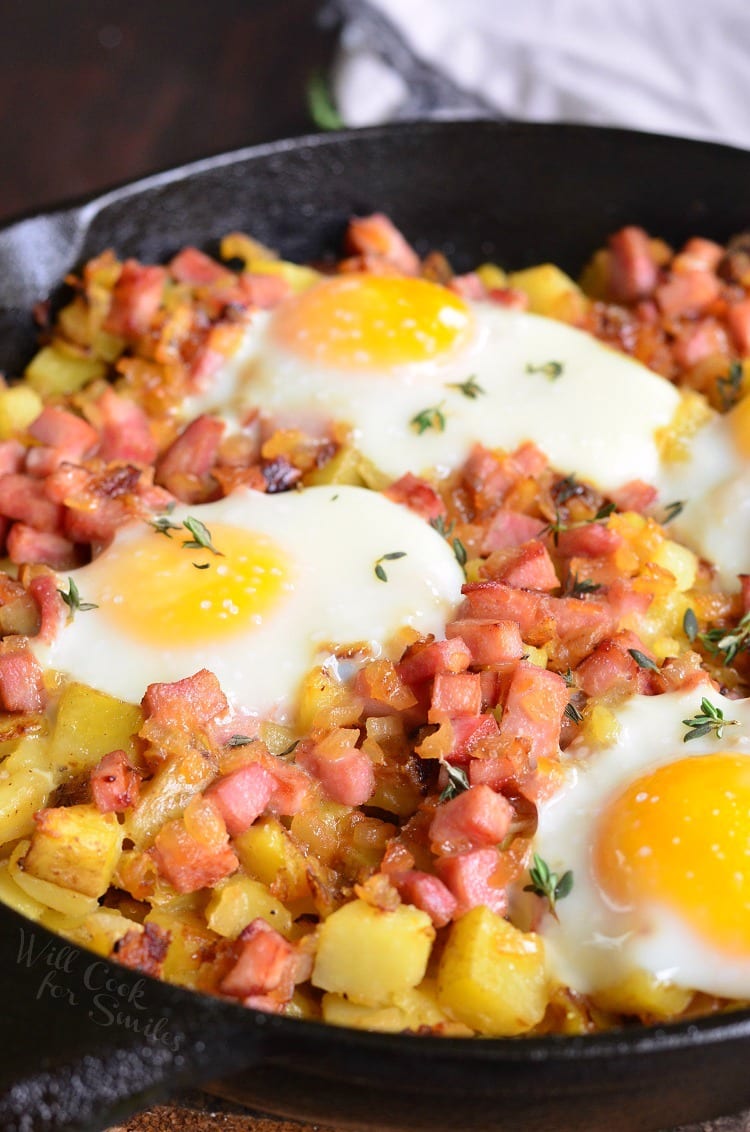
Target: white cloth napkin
(671,66)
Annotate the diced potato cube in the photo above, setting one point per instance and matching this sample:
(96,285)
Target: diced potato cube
(679,561)
(75,847)
(298,277)
(270,855)
(492,976)
(238,901)
(53,372)
(89,725)
(325,703)
(550,292)
(409,1010)
(492,276)
(189,943)
(100,930)
(19,406)
(642,993)
(342,468)
(166,795)
(26,782)
(371,955)
(600,725)
(73,904)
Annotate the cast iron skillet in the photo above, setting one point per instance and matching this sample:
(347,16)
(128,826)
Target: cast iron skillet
(83,1041)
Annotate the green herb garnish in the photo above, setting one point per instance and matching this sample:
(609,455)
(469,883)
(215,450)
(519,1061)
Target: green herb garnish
(572,713)
(672,510)
(547,884)
(690,625)
(380,569)
(238,741)
(73,599)
(434,417)
(470,388)
(320,103)
(201,539)
(458,782)
(728,641)
(643,661)
(729,388)
(552,370)
(710,718)
(579,587)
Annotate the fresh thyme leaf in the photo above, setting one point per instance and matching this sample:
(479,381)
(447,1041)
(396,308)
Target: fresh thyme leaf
(72,599)
(458,781)
(569,678)
(289,749)
(643,661)
(729,388)
(672,510)
(579,587)
(439,525)
(470,388)
(552,370)
(238,741)
(201,539)
(572,712)
(690,624)
(391,557)
(201,565)
(604,512)
(320,103)
(547,884)
(434,417)
(460,552)
(558,526)
(163,525)
(710,718)
(728,641)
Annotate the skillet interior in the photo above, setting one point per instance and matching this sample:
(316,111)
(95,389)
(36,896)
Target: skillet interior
(478,190)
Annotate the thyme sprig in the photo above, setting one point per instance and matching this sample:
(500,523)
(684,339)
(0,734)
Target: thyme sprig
(201,539)
(458,782)
(672,510)
(730,642)
(550,886)
(380,573)
(710,718)
(552,370)
(470,388)
(643,661)
(558,525)
(432,417)
(729,388)
(579,587)
(72,599)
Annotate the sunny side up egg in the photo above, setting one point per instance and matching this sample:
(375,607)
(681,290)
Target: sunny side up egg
(418,375)
(657,835)
(291,578)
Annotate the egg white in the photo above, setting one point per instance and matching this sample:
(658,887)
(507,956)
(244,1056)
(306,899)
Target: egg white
(593,945)
(332,538)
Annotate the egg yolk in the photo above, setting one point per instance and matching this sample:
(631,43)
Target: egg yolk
(363,321)
(680,837)
(170,595)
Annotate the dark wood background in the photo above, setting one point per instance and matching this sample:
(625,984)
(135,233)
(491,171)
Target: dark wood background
(93,92)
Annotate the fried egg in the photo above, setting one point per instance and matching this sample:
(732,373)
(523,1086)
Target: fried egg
(287,580)
(418,374)
(657,834)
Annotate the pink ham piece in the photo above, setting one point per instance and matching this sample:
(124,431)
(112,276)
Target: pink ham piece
(612,668)
(427,893)
(456,693)
(533,709)
(416,494)
(115,784)
(633,270)
(26,545)
(267,965)
(490,642)
(65,432)
(197,269)
(183,708)
(437,656)
(738,320)
(125,431)
(377,236)
(190,458)
(136,298)
(24,498)
(527,567)
(242,796)
(52,610)
(473,820)
(510,528)
(687,293)
(347,777)
(21,680)
(469,877)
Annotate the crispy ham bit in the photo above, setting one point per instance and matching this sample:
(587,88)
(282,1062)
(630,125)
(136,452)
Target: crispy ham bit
(115,783)
(21,679)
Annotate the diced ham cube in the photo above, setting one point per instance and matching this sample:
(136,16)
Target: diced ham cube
(687,293)
(472,820)
(125,430)
(468,732)
(634,496)
(184,707)
(192,852)
(347,776)
(527,567)
(738,320)
(24,498)
(634,272)
(425,661)
(490,642)
(12,454)
(197,269)
(28,545)
(456,693)
(376,235)
(136,298)
(182,469)
(242,796)
(510,528)
(418,495)
(612,668)
(267,965)
(533,709)
(115,784)
(496,601)
(60,429)
(469,876)
(591,541)
(21,681)
(426,892)
(52,610)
